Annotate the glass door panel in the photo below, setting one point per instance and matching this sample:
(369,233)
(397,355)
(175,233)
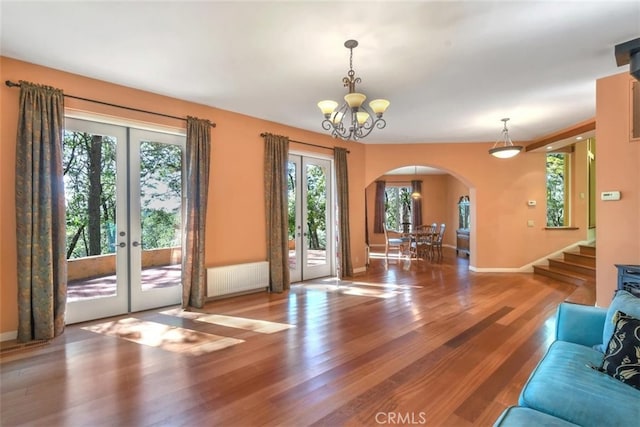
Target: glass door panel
(317,218)
(94,164)
(156,219)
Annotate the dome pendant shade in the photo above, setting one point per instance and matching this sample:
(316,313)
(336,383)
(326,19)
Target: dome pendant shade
(504,148)
(355,100)
(505,152)
(379,106)
(327,107)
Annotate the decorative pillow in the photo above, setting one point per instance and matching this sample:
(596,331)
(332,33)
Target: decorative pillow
(622,359)
(625,302)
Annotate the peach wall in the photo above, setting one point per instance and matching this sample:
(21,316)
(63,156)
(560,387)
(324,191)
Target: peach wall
(235,230)
(499,191)
(618,157)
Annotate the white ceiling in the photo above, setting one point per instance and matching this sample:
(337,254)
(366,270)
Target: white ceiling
(451,69)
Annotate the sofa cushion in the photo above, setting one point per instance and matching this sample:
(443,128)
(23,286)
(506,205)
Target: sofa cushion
(625,302)
(566,384)
(518,416)
(622,359)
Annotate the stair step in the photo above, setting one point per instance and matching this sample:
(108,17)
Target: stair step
(580,258)
(575,267)
(587,249)
(562,274)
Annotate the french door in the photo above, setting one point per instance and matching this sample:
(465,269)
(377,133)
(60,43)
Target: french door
(123,190)
(311,242)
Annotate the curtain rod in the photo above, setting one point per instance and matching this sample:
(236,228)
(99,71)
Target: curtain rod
(308,143)
(12,84)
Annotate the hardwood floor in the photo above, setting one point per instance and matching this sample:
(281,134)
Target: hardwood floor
(415,343)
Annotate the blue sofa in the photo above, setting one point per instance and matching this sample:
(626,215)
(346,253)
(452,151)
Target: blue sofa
(565,389)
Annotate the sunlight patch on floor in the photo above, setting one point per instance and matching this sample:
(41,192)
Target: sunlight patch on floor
(166,337)
(347,289)
(254,325)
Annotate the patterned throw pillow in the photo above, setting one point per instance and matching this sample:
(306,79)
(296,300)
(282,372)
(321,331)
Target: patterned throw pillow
(622,357)
(622,301)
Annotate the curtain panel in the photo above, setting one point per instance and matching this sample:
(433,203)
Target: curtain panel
(276,158)
(379,209)
(342,184)
(416,212)
(40,213)
(198,157)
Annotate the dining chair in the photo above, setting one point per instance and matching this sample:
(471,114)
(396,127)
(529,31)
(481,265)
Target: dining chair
(435,247)
(395,240)
(421,240)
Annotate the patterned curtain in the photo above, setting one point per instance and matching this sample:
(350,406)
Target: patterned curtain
(198,155)
(342,184)
(379,210)
(40,214)
(276,158)
(416,211)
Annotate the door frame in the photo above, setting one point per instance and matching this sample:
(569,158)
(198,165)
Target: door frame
(126,299)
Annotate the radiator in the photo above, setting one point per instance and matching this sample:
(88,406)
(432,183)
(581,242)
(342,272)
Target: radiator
(236,279)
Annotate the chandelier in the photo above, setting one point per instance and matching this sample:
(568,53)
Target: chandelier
(352,119)
(504,148)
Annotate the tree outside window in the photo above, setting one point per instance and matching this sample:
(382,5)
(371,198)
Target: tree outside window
(557,189)
(397,206)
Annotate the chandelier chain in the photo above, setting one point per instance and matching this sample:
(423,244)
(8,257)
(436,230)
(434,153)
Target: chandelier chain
(350,59)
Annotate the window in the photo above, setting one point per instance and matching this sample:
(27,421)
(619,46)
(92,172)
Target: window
(397,206)
(557,190)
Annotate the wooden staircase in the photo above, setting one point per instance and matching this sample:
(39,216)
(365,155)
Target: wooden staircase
(576,267)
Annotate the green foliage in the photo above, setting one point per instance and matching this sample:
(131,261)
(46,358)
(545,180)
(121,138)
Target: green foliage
(316,207)
(397,206)
(291,201)
(316,226)
(556,189)
(160,194)
(76,146)
(160,229)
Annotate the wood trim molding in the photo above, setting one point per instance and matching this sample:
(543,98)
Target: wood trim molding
(575,130)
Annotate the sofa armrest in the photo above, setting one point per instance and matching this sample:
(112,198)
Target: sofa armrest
(580,324)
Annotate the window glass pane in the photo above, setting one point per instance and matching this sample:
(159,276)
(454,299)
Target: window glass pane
(398,207)
(89,162)
(557,180)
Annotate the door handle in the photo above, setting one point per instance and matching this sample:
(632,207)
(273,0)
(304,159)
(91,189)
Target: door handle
(122,244)
(135,244)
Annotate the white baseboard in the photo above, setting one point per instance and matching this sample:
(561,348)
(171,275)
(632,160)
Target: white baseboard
(495,270)
(8,336)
